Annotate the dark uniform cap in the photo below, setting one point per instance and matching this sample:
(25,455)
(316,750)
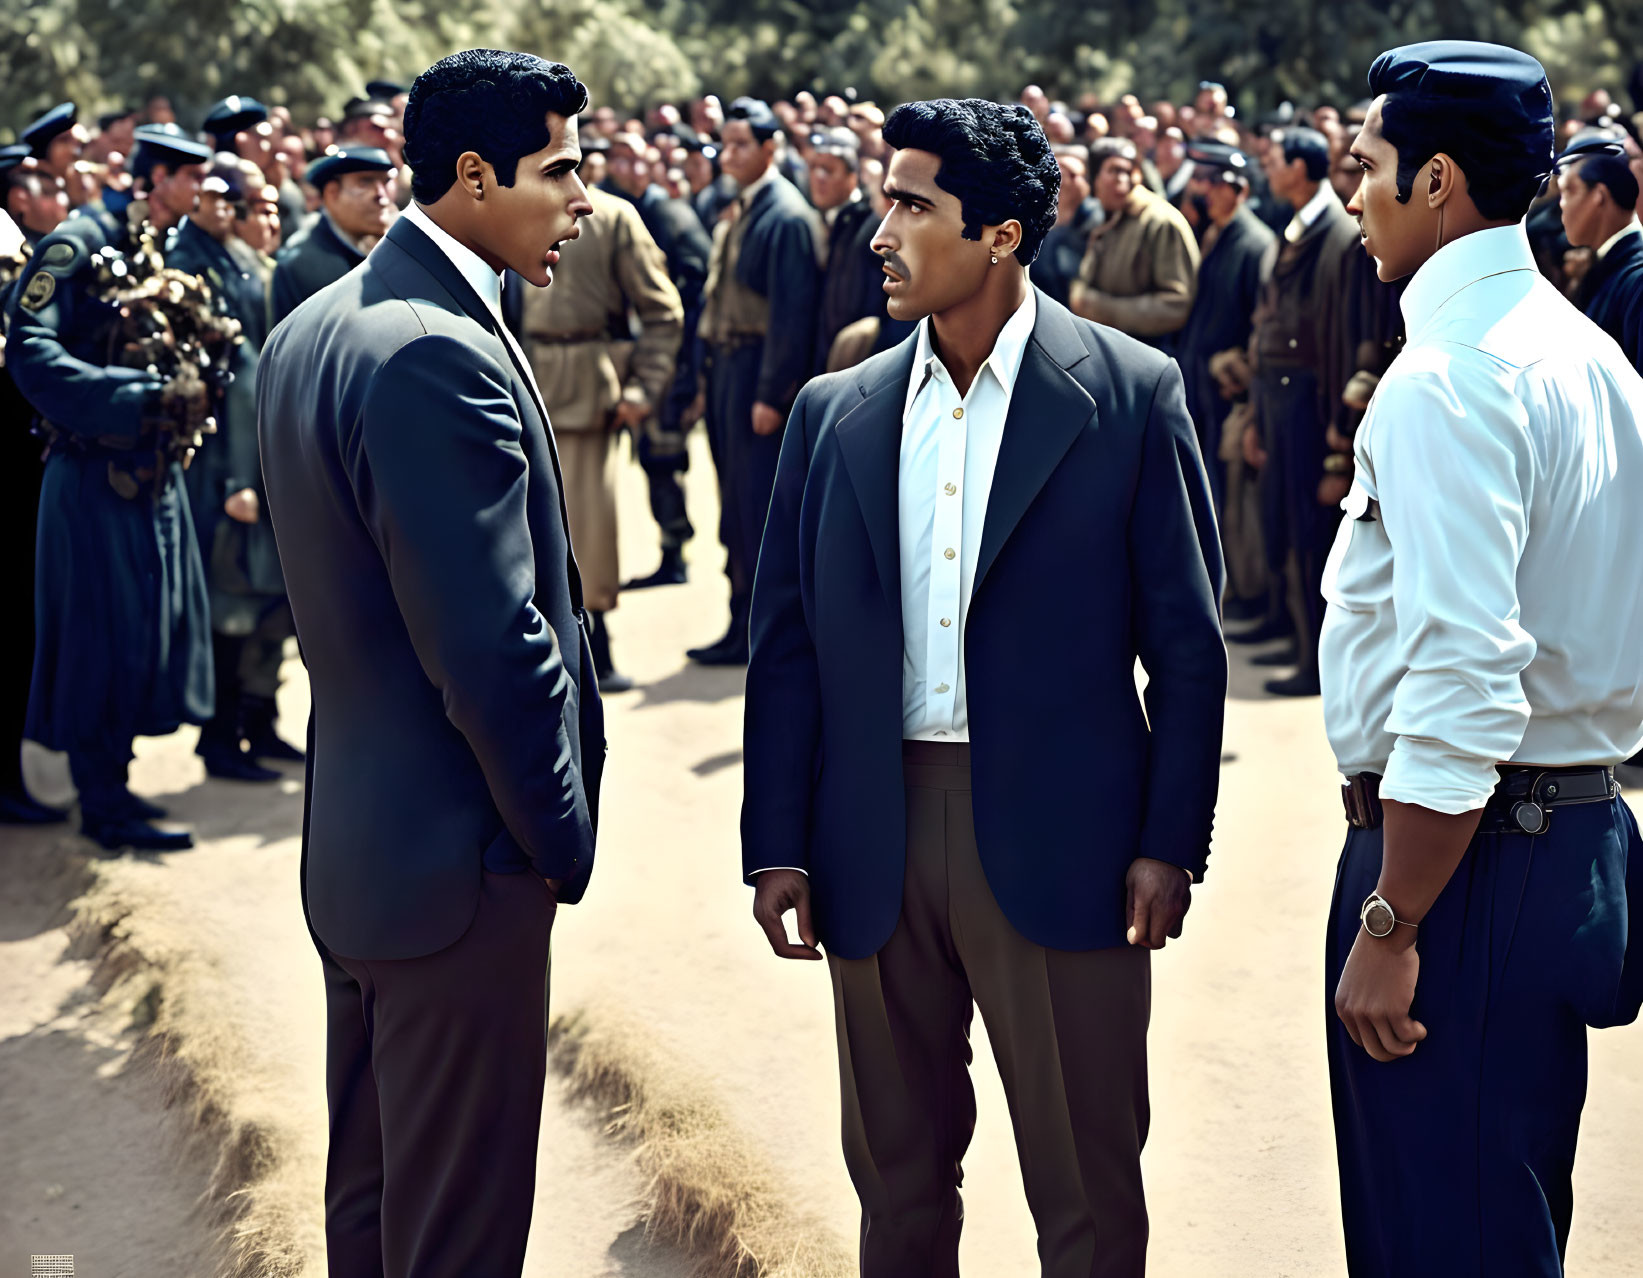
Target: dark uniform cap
(352,159)
(757,113)
(166,144)
(1218,157)
(12,156)
(1590,142)
(227,177)
(384,90)
(1508,83)
(58,120)
(234,114)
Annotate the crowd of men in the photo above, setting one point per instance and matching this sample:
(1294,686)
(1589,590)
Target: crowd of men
(728,260)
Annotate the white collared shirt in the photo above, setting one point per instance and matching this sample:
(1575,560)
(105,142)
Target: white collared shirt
(1309,212)
(949,448)
(1500,471)
(473,268)
(1631,228)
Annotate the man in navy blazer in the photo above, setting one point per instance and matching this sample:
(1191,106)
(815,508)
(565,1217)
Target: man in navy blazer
(457,739)
(950,776)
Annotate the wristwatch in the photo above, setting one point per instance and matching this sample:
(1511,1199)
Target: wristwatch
(1378,918)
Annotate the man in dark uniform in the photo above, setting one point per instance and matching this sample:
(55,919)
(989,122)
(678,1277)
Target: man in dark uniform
(852,275)
(53,141)
(1293,404)
(1229,284)
(356,203)
(250,618)
(1599,204)
(122,619)
(35,199)
(764,256)
(663,454)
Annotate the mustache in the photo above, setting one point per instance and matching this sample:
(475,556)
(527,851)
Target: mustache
(892,259)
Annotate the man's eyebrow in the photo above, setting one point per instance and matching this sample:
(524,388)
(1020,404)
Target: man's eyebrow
(903,196)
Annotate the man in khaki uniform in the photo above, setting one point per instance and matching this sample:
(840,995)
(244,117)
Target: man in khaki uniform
(1140,270)
(597,377)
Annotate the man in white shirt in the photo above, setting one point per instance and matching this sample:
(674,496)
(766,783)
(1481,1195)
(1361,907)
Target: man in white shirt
(1481,675)
(949,775)
(457,740)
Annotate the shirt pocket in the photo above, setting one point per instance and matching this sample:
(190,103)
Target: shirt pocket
(1358,574)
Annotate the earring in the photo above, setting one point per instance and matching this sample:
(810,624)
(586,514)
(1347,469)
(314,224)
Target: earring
(995,259)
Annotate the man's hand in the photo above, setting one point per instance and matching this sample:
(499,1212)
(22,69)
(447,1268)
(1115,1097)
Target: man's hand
(632,413)
(775,892)
(1254,454)
(766,420)
(1376,988)
(1158,896)
(1333,488)
(242,507)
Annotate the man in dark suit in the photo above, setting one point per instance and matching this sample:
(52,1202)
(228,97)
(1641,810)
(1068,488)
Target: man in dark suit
(758,321)
(1598,195)
(356,206)
(457,738)
(962,808)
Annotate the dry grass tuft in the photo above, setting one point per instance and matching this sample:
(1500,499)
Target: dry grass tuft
(708,1190)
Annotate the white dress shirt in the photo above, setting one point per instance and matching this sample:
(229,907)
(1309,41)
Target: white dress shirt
(1309,212)
(949,447)
(473,268)
(1500,471)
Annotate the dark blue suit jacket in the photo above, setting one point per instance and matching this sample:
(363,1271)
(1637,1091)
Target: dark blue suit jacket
(1099,547)
(1611,295)
(415,492)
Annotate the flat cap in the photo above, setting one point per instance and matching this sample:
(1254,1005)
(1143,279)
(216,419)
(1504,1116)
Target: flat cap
(757,113)
(166,144)
(839,142)
(233,114)
(1590,142)
(1218,157)
(58,120)
(344,160)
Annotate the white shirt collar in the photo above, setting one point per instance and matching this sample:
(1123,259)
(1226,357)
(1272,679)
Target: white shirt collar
(1462,262)
(473,268)
(1631,228)
(1004,360)
(1309,212)
(746,194)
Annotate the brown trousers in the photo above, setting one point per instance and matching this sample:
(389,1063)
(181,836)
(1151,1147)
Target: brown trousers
(588,459)
(1068,1031)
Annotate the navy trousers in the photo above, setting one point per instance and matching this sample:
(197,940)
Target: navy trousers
(1456,1161)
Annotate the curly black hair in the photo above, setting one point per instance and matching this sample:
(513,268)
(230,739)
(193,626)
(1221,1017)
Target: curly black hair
(489,101)
(994,158)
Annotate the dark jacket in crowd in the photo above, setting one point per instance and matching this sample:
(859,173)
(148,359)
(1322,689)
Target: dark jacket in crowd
(852,286)
(1056,266)
(309,263)
(1611,295)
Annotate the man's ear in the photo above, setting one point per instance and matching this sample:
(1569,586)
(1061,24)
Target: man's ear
(1006,238)
(1444,178)
(470,175)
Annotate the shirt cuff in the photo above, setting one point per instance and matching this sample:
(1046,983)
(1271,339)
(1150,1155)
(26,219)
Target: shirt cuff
(1431,774)
(766,869)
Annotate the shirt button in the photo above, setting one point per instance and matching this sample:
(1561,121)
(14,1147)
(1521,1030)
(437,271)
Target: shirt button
(950,489)
(1293,343)
(958,413)
(945,622)
(949,552)
(1283,381)
(941,687)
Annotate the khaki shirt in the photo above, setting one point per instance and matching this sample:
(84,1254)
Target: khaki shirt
(1140,271)
(610,274)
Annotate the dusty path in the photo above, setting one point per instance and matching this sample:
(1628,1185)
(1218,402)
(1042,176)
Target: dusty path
(721,1055)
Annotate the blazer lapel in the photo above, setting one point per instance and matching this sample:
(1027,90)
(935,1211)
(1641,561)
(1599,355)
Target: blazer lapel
(1048,411)
(869,438)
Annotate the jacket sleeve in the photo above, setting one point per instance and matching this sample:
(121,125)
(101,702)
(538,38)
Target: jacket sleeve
(641,273)
(794,288)
(73,395)
(1164,308)
(441,479)
(1175,565)
(782,712)
(283,291)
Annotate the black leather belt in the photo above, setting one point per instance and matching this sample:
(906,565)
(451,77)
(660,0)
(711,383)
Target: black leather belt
(1521,804)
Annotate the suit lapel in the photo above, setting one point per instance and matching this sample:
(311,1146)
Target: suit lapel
(869,438)
(1048,411)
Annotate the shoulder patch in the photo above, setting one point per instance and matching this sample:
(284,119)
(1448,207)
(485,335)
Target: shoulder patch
(57,255)
(39,290)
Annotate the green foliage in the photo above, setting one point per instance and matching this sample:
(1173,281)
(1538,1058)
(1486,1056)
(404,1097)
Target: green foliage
(314,54)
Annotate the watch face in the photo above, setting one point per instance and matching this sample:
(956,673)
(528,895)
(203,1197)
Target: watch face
(1378,918)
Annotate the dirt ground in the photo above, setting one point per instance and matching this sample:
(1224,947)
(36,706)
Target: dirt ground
(134,1167)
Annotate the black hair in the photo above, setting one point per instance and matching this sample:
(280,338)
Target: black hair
(1104,149)
(760,118)
(1307,145)
(1613,172)
(994,158)
(488,101)
(1505,164)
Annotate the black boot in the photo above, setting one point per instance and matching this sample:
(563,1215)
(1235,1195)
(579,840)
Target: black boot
(671,573)
(138,835)
(21,808)
(604,668)
(262,741)
(732,650)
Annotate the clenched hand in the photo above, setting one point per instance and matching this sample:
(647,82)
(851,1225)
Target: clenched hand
(775,892)
(1157,896)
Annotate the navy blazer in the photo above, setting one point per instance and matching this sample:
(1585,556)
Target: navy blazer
(415,492)
(1099,547)
(1611,295)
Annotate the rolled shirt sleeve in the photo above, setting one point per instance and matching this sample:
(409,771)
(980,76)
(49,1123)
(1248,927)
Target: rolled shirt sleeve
(1452,463)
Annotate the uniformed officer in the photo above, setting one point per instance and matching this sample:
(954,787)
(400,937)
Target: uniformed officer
(764,256)
(122,619)
(1599,206)
(356,187)
(1292,398)
(54,141)
(250,618)
(597,377)
(663,453)
(1481,678)
(35,198)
